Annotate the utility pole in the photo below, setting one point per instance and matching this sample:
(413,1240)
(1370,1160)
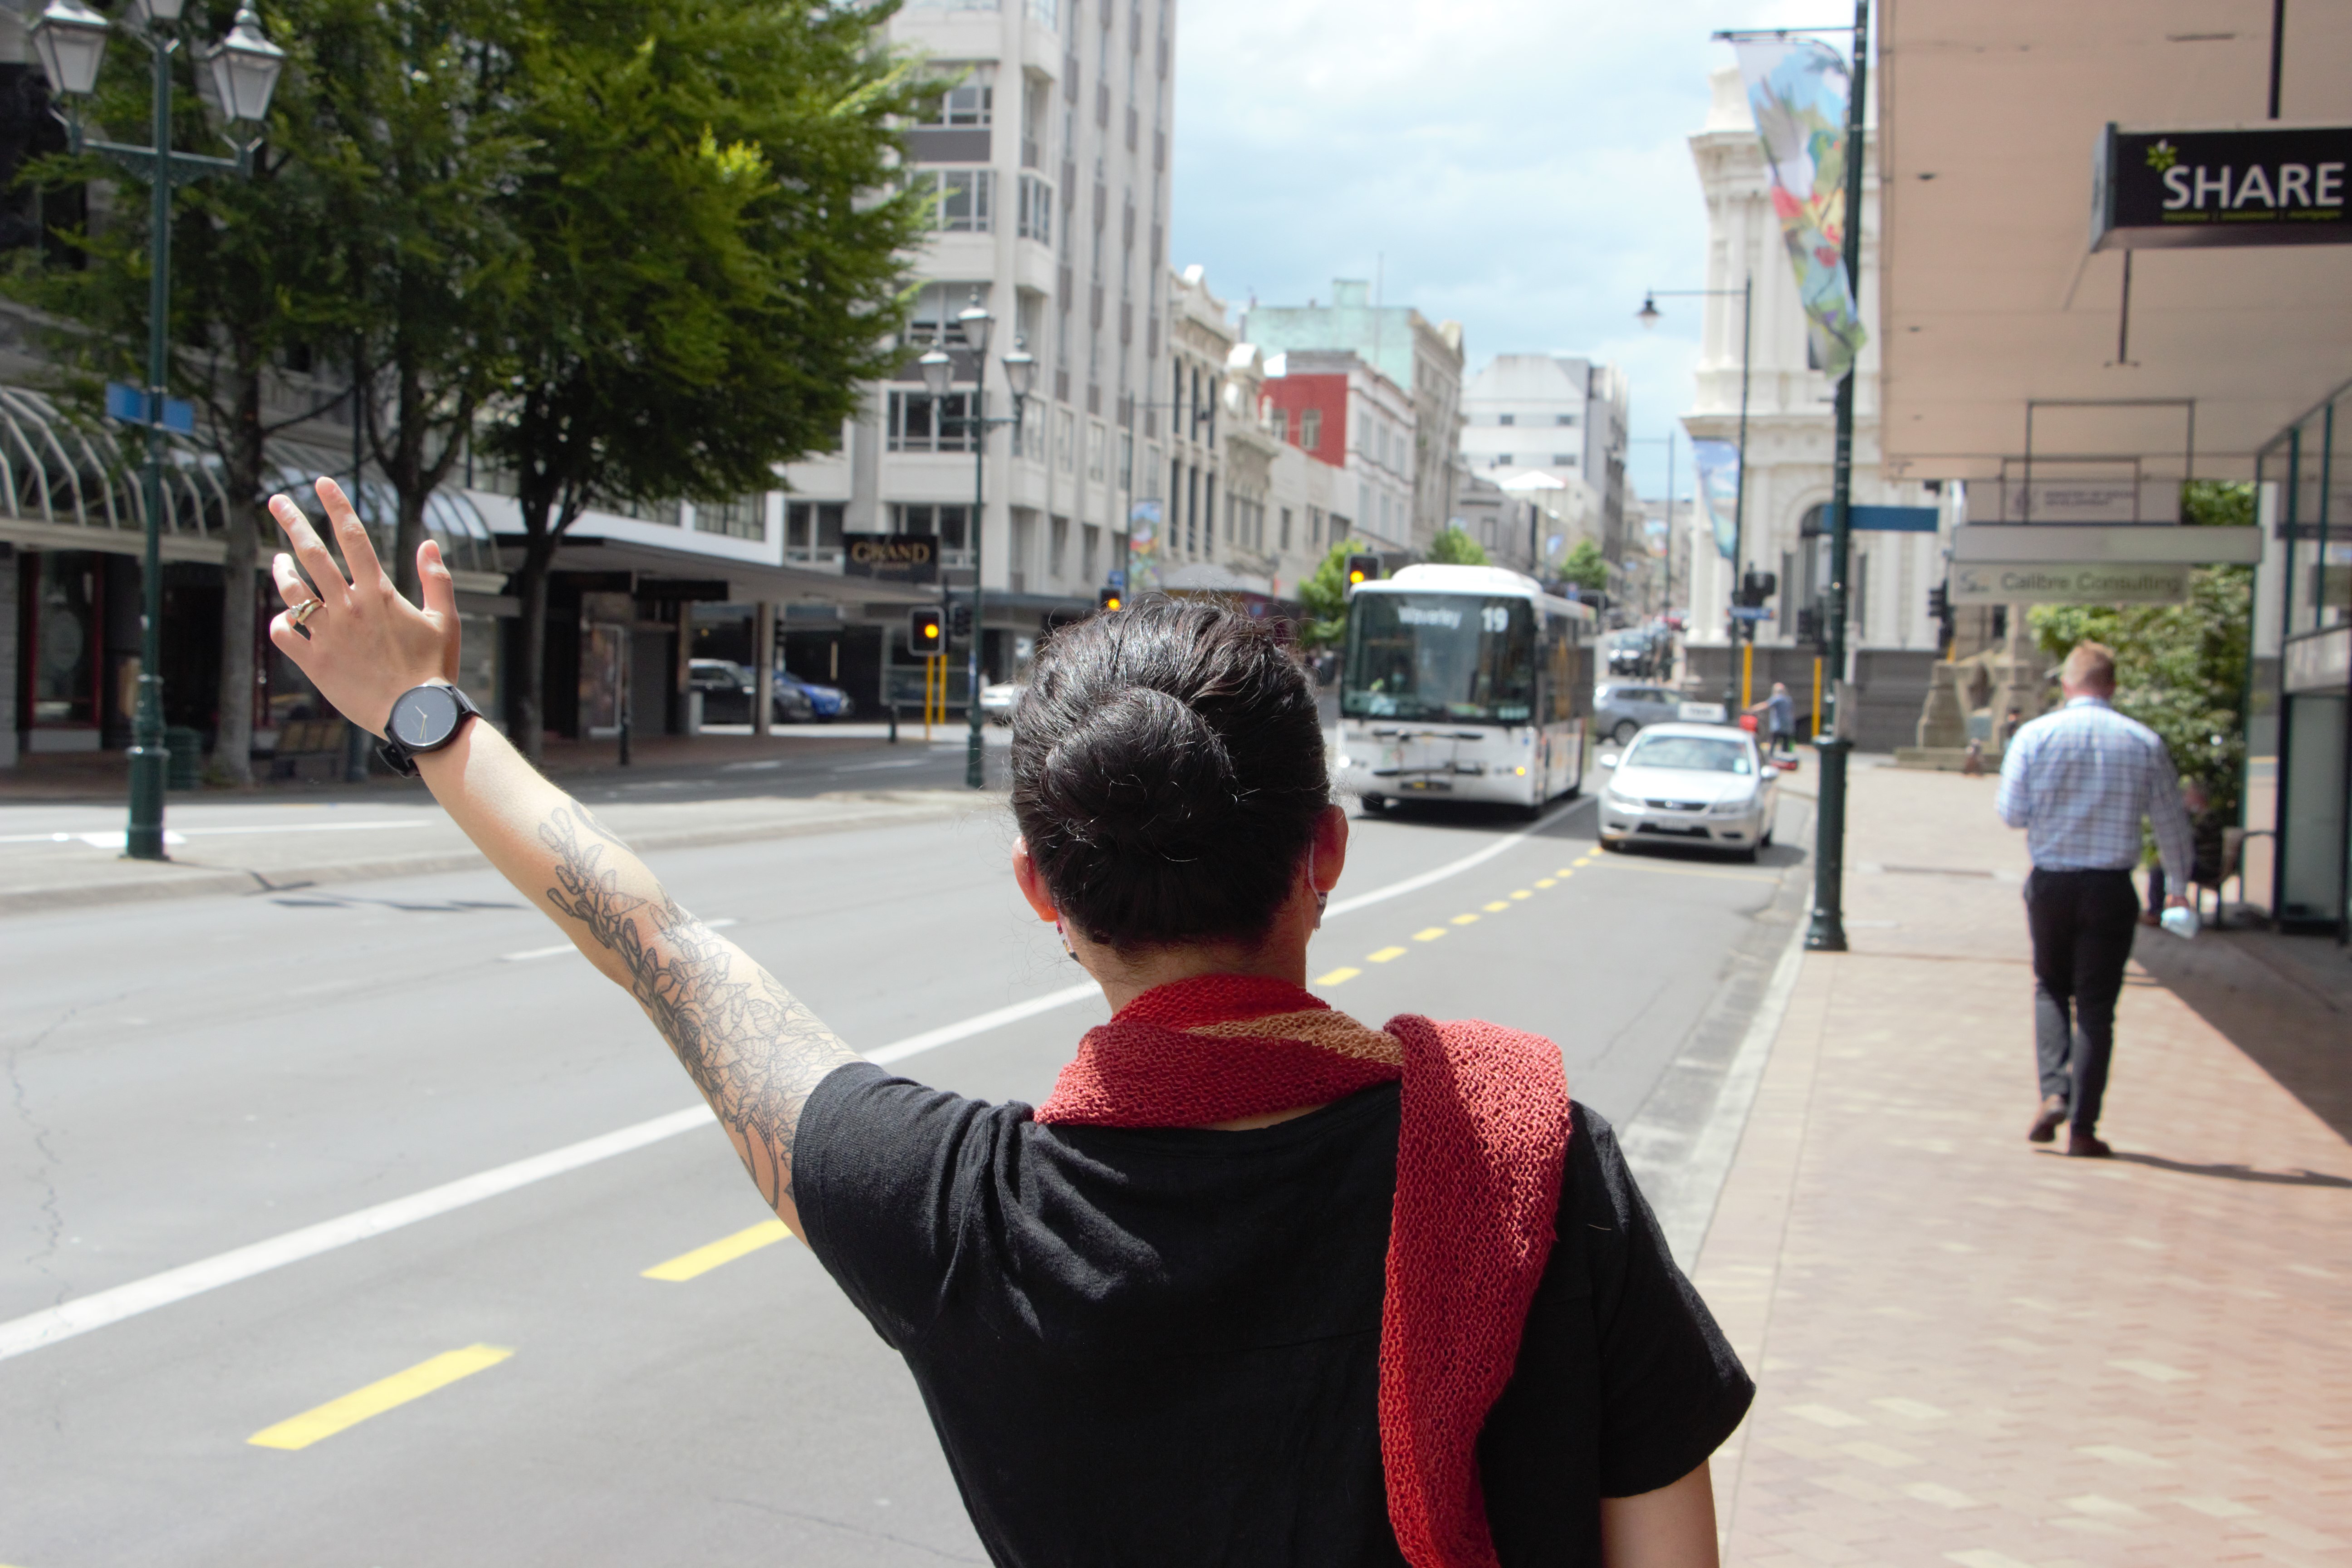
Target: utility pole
(1827,932)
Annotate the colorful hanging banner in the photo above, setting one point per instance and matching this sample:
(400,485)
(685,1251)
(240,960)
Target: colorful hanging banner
(1797,89)
(1718,490)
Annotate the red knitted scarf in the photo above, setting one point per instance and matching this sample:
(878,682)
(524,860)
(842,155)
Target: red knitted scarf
(1483,1130)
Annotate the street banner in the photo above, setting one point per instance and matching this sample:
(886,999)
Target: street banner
(1718,490)
(1142,548)
(1797,89)
(2063,582)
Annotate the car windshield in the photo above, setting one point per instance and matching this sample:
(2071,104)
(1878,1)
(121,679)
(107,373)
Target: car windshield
(1690,753)
(1440,656)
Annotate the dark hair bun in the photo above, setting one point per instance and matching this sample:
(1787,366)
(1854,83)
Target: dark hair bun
(1167,770)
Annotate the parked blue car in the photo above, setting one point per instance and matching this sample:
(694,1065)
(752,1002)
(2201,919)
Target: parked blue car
(826,702)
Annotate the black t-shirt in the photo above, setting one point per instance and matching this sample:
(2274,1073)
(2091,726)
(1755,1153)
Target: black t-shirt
(1160,1346)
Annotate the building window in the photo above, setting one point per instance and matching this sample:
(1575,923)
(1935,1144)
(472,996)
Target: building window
(1089,553)
(1505,418)
(667,513)
(1065,441)
(1098,449)
(1569,419)
(1502,459)
(745,517)
(933,318)
(1563,459)
(944,523)
(813,531)
(1310,429)
(1036,210)
(972,102)
(920,423)
(1057,547)
(967,198)
(1286,529)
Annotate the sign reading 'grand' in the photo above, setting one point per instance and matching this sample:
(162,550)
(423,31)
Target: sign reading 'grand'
(2248,185)
(892,557)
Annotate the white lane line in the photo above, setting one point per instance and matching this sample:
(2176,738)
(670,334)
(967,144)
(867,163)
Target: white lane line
(112,838)
(531,952)
(1454,867)
(101,1308)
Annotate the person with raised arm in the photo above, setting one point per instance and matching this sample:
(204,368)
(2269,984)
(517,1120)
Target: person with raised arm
(1258,1283)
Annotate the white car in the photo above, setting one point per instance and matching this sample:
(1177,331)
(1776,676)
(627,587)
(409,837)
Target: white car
(998,700)
(1701,785)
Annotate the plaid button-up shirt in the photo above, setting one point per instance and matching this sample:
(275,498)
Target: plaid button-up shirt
(2078,781)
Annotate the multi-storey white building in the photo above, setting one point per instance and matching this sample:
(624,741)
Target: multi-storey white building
(1561,417)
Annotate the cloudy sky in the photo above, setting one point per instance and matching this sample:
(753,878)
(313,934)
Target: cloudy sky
(1520,167)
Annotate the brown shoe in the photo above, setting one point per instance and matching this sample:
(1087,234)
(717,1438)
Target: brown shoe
(2086,1146)
(2045,1125)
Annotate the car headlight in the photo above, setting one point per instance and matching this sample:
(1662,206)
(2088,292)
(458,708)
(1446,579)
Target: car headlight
(1622,801)
(1732,808)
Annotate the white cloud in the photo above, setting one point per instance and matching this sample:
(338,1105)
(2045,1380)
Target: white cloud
(1521,166)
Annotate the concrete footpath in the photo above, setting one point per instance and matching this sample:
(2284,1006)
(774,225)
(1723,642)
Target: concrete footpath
(61,823)
(1971,1350)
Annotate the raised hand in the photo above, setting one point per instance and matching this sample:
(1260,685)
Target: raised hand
(363,645)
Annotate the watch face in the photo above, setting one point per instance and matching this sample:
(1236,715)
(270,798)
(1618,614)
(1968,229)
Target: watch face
(425,717)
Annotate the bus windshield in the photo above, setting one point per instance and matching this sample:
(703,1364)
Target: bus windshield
(1440,656)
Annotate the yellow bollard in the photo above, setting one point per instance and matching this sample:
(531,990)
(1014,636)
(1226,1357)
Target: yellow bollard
(1746,675)
(1817,696)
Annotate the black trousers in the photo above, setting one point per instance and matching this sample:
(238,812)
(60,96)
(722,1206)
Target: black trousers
(2083,924)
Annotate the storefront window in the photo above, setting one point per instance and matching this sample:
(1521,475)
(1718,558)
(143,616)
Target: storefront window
(64,640)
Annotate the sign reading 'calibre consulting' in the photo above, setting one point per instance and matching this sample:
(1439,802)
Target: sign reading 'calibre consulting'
(2266,184)
(2061,584)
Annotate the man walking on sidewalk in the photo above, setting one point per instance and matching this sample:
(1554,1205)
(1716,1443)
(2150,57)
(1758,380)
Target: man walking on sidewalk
(2079,781)
(1779,715)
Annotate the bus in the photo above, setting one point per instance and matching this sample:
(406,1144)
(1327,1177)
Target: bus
(1466,683)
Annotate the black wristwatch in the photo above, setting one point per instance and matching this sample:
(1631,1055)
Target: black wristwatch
(423,718)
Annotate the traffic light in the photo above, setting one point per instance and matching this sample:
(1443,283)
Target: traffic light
(927,632)
(1758,587)
(1109,599)
(1939,604)
(1363,569)
(1809,626)
(960,620)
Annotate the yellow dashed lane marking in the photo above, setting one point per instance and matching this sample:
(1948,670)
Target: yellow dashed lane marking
(1585,860)
(1498,905)
(1337,976)
(726,1249)
(1431,934)
(1521,893)
(1385,954)
(337,1415)
(1567,870)
(1466,920)
(1546,882)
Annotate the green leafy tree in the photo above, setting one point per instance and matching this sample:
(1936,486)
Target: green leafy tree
(2180,669)
(379,154)
(1453,546)
(1585,566)
(713,272)
(1323,592)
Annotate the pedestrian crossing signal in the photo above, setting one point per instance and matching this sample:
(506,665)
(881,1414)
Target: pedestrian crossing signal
(927,634)
(1363,569)
(1109,599)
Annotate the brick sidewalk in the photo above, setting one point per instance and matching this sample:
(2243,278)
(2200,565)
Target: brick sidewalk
(1971,1351)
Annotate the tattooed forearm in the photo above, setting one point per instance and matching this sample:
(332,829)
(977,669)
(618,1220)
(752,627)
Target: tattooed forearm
(752,1048)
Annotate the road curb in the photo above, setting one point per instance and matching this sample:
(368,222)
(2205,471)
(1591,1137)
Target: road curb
(195,882)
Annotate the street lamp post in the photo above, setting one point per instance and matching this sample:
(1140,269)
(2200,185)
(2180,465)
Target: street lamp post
(1648,315)
(975,324)
(237,76)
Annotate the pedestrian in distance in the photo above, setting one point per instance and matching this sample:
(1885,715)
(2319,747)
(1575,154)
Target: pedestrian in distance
(1258,1283)
(2080,781)
(1779,713)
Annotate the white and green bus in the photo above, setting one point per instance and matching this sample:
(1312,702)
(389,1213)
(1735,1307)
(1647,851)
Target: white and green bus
(1466,683)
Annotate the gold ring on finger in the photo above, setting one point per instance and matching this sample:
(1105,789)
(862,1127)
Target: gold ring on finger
(305,610)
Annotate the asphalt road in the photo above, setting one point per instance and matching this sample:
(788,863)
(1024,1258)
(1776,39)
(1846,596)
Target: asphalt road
(188,1079)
